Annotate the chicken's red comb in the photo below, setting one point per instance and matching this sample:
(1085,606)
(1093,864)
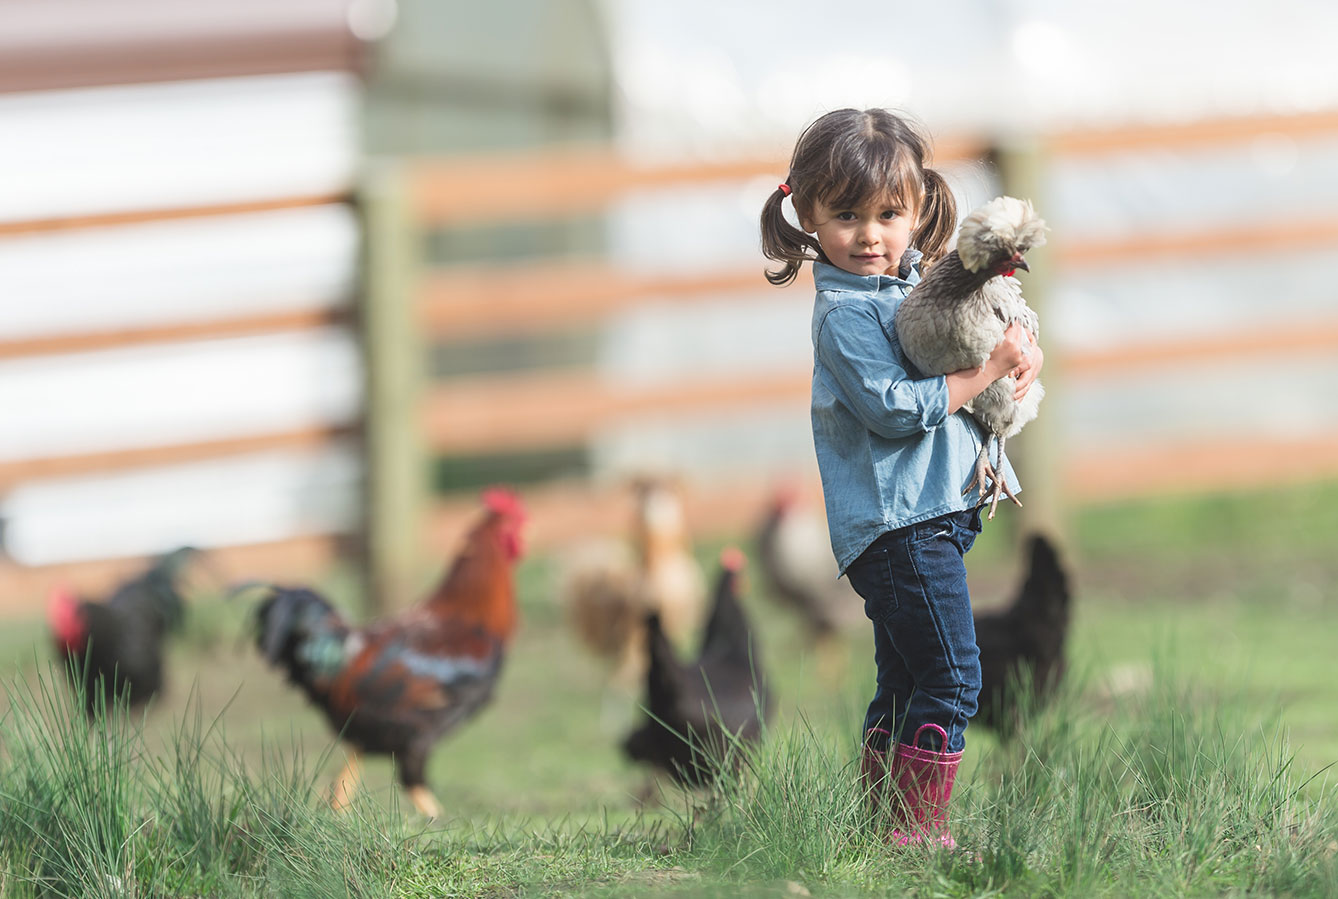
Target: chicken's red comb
(503,502)
(733,559)
(62,613)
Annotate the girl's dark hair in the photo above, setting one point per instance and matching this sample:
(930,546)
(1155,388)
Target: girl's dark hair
(842,160)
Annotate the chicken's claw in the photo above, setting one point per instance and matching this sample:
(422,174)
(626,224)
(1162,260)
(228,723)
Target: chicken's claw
(1001,489)
(347,783)
(983,476)
(425,802)
(992,486)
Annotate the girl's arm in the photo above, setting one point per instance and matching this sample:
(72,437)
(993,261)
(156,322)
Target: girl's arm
(1010,354)
(858,355)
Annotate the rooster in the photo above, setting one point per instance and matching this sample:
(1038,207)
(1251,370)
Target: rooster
(1022,646)
(696,711)
(958,313)
(113,650)
(607,590)
(398,685)
(795,558)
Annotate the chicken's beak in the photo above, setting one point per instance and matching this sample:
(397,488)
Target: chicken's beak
(1019,262)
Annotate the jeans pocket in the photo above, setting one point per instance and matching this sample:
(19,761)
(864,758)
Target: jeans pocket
(933,529)
(971,520)
(871,577)
(967,527)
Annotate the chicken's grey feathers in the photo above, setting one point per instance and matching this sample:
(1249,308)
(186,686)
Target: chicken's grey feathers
(955,317)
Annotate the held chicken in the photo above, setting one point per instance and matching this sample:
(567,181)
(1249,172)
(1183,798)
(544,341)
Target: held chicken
(699,711)
(1022,645)
(397,686)
(608,588)
(958,313)
(113,650)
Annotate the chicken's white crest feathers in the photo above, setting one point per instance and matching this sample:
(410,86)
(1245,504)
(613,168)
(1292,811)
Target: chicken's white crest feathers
(997,230)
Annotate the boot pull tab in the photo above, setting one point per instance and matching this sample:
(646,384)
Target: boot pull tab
(943,735)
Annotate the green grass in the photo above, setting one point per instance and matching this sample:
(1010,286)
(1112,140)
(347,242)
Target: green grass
(1183,758)
(1176,792)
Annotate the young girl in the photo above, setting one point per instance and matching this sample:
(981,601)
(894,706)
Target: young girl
(894,449)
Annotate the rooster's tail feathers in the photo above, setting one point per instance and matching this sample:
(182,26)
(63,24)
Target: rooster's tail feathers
(286,615)
(165,575)
(156,595)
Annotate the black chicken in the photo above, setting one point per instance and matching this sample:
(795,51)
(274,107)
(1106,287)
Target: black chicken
(116,647)
(696,711)
(1022,645)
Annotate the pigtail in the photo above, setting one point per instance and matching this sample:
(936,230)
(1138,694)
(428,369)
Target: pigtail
(783,242)
(938,218)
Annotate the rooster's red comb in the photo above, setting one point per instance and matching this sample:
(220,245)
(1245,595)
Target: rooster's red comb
(733,559)
(501,501)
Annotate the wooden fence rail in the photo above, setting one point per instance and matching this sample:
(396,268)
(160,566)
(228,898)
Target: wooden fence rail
(537,297)
(238,326)
(141,216)
(560,183)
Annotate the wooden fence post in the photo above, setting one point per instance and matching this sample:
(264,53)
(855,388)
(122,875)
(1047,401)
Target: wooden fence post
(1039,456)
(394,354)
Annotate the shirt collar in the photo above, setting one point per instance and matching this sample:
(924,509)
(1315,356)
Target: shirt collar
(829,277)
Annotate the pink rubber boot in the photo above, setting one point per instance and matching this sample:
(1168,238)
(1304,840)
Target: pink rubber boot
(924,780)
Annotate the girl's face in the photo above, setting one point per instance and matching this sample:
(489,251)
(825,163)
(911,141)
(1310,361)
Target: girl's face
(868,239)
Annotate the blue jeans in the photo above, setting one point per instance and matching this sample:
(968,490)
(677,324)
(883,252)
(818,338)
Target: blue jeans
(913,582)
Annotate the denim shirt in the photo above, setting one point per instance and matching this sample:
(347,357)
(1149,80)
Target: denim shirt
(889,453)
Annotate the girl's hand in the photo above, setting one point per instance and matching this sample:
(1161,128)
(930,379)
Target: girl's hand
(1029,369)
(1009,355)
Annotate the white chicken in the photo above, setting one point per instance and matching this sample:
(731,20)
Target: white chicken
(798,569)
(958,313)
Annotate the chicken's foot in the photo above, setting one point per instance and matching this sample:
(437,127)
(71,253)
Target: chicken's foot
(424,801)
(346,784)
(984,474)
(1000,484)
(986,478)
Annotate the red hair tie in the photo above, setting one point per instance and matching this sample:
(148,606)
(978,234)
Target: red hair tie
(784,188)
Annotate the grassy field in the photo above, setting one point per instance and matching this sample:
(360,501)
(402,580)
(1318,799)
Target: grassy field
(1186,757)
